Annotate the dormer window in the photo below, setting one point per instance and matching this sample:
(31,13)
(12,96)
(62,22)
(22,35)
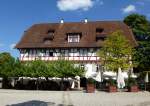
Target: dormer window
(100,34)
(99,30)
(100,37)
(74,37)
(49,36)
(50,32)
(48,39)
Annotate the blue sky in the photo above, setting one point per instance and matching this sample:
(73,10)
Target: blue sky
(16,16)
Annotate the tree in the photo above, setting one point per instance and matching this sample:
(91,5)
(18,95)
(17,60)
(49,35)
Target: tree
(7,64)
(139,25)
(59,68)
(11,67)
(141,29)
(18,69)
(37,68)
(64,68)
(116,52)
(142,56)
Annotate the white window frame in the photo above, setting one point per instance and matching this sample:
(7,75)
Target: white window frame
(73,38)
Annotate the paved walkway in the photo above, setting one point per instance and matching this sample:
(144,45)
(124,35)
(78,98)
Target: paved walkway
(72,98)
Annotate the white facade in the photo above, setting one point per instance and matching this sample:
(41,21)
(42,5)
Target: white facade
(55,54)
(86,56)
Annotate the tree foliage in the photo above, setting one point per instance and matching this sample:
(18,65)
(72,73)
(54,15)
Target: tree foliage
(139,24)
(11,67)
(65,68)
(141,29)
(142,56)
(7,64)
(116,52)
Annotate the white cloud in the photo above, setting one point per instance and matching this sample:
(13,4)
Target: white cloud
(71,5)
(130,8)
(12,46)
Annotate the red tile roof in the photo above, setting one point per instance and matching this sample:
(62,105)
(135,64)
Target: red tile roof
(35,35)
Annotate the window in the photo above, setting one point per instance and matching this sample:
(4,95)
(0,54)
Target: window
(30,53)
(47,53)
(99,30)
(100,38)
(47,40)
(82,66)
(50,32)
(100,34)
(26,53)
(49,36)
(74,37)
(50,54)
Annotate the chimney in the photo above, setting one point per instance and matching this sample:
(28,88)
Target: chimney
(85,20)
(62,21)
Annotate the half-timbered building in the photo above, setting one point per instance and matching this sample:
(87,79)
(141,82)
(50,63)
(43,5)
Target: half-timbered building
(74,41)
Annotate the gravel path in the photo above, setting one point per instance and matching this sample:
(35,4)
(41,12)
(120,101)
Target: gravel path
(72,98)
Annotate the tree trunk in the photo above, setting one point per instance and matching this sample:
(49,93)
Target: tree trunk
(37,84)
(5,84)
(61,84)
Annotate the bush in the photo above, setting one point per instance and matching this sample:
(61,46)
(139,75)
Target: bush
(112,82)
(131,82)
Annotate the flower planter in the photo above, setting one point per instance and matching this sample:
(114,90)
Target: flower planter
(132,85)
(90,88)
(134,88)
(112,89)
